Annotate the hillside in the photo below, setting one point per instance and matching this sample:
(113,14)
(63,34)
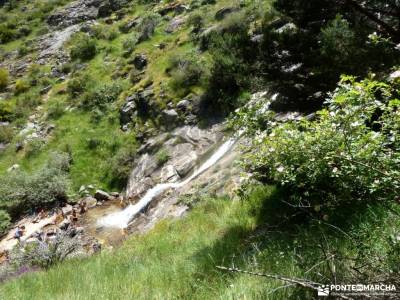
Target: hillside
(162,149)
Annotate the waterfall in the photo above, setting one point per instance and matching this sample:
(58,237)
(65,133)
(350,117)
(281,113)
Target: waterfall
(121,219)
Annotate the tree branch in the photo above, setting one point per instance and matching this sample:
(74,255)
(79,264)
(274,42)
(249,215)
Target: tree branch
(301,282)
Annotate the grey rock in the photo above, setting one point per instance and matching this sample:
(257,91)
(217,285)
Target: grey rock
(127,112)
(140,61)
(175,24)
(169,174)
(91,202)
(101,195)
(13,168)
(258,38)
(170,117)
(183,105)
(288,28)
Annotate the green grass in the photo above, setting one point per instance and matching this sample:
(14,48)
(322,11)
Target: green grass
(177,259)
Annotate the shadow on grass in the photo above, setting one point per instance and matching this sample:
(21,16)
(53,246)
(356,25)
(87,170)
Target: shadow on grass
(289,242)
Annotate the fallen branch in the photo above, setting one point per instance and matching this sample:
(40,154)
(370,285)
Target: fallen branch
(301,282)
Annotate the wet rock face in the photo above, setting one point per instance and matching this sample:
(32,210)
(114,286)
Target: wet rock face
(185,145)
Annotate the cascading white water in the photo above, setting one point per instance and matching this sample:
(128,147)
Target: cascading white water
(121,219)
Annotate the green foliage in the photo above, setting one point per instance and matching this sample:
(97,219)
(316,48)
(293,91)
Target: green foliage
(147,26)
(20,191)
(5,221)
(33,147)
(349,154)
(121,164)
(47,253)
(78,84)
(83,47)
(4,78)
(232,52)
(101,96)
(162,156)
(129,43)
(108,33)
(6,111)
(55,109)
(337,40)
(21,86)
(186,70)
(6,133)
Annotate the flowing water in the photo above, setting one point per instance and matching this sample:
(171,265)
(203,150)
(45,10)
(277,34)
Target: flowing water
(122,218)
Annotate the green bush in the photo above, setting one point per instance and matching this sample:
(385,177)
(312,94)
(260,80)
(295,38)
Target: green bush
(26,102)
(33,148)
(121,166)
(162,156)
(4,78)
(5,221)
(21,86)
(6,111)
(20,191)
(78,84)
(147,26)
(186,70)
(129,43)
(83,47)
(349,155)
(99,97)
(105,32)
(55,109)
(6,134)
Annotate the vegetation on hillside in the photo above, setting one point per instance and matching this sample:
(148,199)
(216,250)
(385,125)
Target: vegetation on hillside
(322,202)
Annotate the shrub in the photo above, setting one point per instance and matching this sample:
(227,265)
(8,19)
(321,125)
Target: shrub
(162,156)
(55,109)
(101,96)
(6,134)
(121,166)
(33,147)
(7,34)
(5,221)
(78,84)
(147,26)
(186,70)
(45,254)
(105,32)
(6,111)
(349,155)
(83,47)
(93,143)
(130,43)
(21,86)
(20,191)
(4,78)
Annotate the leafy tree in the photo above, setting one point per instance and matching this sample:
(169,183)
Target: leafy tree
(350,154)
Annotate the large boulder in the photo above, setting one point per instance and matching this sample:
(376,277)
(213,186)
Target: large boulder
(170,117)
(100,195)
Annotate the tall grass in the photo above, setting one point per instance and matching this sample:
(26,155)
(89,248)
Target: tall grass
(177,259)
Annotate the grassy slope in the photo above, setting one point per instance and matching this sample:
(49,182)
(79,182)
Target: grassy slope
(177,259)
